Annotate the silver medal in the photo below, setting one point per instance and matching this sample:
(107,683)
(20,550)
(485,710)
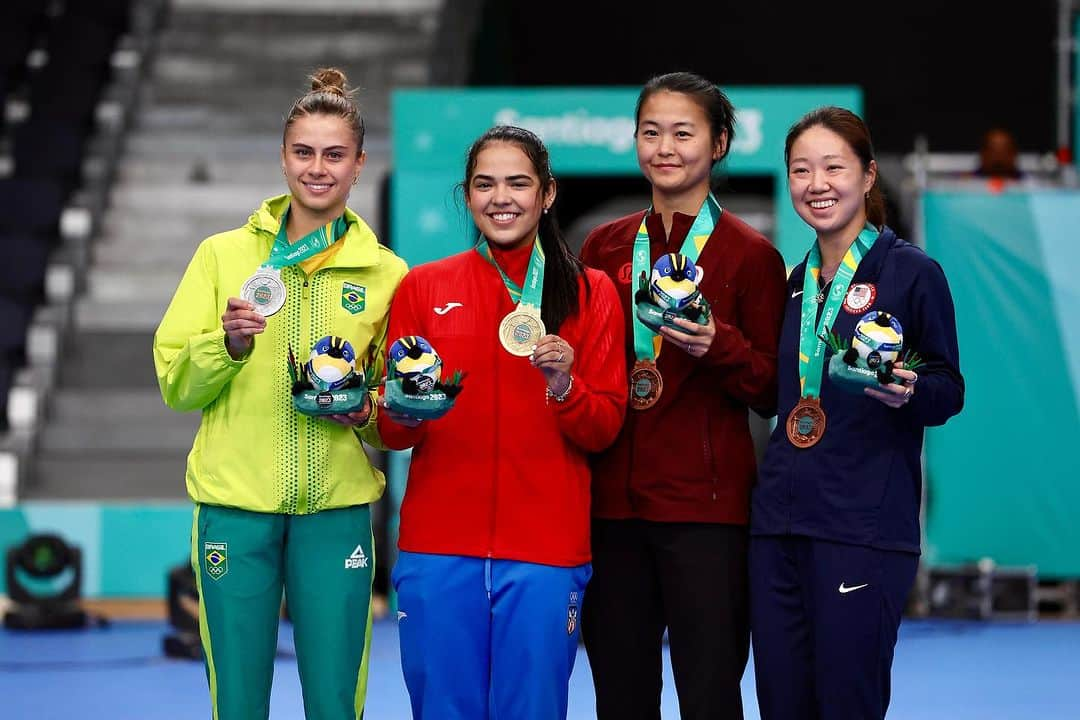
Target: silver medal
(265,291)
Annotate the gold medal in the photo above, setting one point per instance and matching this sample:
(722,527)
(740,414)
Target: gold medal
(520,330)
(806,423)
(646,385)
(265,291)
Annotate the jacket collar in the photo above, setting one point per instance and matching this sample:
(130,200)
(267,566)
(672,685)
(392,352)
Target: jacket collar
(869,269)
(360,249)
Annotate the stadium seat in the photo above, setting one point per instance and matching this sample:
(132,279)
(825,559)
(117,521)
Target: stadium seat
(49,150)
(31,205)
(22,274)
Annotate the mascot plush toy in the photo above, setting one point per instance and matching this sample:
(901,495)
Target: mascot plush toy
(870,357)
(331,382)
(671,291)
(414,384)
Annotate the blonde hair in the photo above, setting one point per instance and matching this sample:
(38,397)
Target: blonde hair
(330,94)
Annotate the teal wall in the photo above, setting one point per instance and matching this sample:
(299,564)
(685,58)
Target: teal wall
(127,549)
(1004,481)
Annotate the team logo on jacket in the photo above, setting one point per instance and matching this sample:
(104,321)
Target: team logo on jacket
(217,559)
(353,297)
(626,273)
(860,297)
(572,614)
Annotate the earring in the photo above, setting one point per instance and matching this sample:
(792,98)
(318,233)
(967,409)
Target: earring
(356,179)
(546,211)
(867,195)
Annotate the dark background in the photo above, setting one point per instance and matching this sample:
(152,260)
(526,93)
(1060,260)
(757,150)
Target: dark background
(946,69)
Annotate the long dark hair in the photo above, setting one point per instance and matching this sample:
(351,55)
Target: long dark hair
(561,268)
(714,103)
(853,130)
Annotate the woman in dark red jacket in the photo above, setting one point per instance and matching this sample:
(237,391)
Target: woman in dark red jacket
(671,496)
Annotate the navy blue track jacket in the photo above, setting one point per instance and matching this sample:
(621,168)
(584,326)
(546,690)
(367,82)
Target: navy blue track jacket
(862,483)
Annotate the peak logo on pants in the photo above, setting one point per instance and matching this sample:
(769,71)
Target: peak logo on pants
(357,560)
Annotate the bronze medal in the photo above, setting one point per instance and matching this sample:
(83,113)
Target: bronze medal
(519,331)
(806,423)
(646,385)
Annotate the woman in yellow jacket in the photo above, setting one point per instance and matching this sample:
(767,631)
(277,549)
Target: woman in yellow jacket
(281,498)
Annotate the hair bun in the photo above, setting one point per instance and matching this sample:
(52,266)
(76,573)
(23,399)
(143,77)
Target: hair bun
(329,80)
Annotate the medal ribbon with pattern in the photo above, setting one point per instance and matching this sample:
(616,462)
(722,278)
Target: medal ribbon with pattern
(646,342)
(265,289)
(811,344)
(284,253)
(522,327)
(533,293)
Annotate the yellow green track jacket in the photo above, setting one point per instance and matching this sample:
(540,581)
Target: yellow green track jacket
(253,450)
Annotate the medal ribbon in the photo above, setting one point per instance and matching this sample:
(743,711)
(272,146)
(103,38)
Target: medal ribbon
(533,292)
(646,342)
(811,345)
(284,253)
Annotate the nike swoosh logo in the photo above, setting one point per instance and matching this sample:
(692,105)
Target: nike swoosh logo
(447,308)
(797,293)
(845,590)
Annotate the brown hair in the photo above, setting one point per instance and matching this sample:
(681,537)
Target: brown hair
(329,95)
(852,129)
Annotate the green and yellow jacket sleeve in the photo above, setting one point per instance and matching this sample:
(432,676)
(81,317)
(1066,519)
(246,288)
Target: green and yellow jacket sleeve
(190,357)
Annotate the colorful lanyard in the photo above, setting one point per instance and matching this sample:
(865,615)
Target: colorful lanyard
(811,344)
(533,293)
(284,253)
(646,342)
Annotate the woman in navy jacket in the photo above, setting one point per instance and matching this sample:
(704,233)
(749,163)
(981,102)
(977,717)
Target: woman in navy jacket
(835,513)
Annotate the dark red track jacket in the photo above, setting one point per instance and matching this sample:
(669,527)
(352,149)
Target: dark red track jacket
(505,473)
(690,457)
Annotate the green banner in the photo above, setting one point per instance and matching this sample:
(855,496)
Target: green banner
(1002,476)
(589,131)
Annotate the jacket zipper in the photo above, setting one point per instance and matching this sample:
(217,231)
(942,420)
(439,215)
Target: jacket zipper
(495,457)
(302,422)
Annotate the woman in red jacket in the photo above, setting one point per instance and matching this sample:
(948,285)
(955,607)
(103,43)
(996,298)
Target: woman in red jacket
(670,497)
(494,533)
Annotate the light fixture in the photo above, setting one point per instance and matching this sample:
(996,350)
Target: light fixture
(44,581)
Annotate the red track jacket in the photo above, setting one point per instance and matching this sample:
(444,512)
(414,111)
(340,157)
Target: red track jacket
(690,457)
(505,473)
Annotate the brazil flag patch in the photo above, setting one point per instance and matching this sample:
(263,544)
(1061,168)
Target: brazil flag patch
(217,559)
(353,297)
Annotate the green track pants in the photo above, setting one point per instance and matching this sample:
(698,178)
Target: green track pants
(324,563)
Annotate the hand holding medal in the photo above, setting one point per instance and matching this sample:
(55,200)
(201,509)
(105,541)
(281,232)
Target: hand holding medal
(265,290)
(241,323)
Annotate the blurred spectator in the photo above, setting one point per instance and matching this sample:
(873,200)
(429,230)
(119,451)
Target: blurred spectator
(997,156)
